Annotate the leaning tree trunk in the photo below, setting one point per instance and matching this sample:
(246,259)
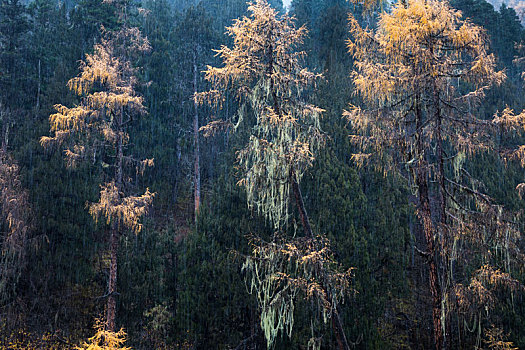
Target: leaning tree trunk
(300,205)
(336,320)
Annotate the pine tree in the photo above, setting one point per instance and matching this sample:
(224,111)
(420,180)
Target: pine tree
(14,31)
(96,131)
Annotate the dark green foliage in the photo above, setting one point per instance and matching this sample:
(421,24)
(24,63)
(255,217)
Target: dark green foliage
(180,283)
(503,28)
(87,19)
(213,307)
(14,35)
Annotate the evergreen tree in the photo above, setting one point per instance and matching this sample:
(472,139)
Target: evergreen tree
(180,281)
(14,31)
(195,37)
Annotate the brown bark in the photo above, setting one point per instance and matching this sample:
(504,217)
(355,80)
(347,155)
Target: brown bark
(441,187)
(426,220)
(196,175)
(339,331)
(111,307)
(5,135)
(120,151)
(425,216)
(439,156)
(300,205)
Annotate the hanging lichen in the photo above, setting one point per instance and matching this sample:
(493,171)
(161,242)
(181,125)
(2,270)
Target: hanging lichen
(279,271)
(264,73)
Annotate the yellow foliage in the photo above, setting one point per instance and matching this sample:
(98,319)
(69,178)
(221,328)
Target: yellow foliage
(496,340)
(264,72)
(420,51)
(114,207)
(102,112)
(20,339)
(104,339)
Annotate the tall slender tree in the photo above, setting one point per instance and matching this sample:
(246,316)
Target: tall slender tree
(195,36)
(422,72)
(263,71)
(96,131)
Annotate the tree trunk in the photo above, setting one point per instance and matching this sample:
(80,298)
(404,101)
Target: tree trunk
(5,134)
(120,151)
(111,308)
(300,205)
(336,320)
(426,221)
(439,156)
(441,195)
(114,237)
(38,89)
(425,216)
(339,331)
(197,175)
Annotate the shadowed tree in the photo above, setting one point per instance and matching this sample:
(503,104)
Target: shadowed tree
(422,72)
(263,72)
(14,94)
(14,31)
(195,35)
(16,214)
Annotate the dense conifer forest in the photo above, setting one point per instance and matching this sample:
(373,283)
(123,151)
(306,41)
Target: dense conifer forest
(223,174)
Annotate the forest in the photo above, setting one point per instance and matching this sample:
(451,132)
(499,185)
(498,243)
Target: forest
(223,174)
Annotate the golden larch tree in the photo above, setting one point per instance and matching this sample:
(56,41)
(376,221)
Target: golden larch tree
(422,72)
(263,71)
(95,131)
